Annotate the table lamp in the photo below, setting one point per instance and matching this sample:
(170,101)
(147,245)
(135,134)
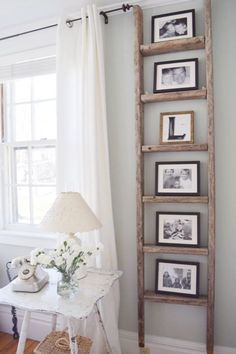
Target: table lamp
(70,214)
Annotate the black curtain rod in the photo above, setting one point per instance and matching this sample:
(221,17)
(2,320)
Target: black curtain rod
(70,22)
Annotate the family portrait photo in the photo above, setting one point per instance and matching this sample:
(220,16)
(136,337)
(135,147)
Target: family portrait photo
(177,127)
(177,229)
(173,25)
(177,178)
(176,75)
(177,277)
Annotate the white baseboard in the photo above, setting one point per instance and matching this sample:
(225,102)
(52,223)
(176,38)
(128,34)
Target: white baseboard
(164,345)
(40,326)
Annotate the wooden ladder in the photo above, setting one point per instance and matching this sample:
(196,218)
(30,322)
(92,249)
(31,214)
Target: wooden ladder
(141,50)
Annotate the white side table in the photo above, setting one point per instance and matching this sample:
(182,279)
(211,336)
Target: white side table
(92,288)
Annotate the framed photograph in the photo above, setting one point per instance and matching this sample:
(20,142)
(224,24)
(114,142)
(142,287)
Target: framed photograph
(178,178)
(177,127)
(175,75)
(177,278)
(177,229)
(174,25)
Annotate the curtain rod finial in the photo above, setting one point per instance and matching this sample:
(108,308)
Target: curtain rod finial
(105,17)
(126,7)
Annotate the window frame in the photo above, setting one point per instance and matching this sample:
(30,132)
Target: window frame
(8,185)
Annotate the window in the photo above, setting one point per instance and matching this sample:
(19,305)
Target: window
(29,149)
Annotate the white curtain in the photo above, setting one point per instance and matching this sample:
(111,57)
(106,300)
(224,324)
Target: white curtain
(82,150)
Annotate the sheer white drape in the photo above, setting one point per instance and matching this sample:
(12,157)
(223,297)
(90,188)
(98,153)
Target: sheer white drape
(83,160)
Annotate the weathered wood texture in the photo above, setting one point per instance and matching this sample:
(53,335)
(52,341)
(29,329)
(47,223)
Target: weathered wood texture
(174,147)
(148,248)
(139,84)
(171,299)
(174,96)
(211,179)
(156,199)
(176,45)
(204,93)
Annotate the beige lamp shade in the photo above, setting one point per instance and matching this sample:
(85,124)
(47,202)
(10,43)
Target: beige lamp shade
(70,214)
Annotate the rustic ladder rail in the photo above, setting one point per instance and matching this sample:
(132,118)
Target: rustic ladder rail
(141,51)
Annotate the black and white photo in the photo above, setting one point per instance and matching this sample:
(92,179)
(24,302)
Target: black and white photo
(173,25)
(179,278)
(177,229)
(175,75)
(177,127)
(178,178)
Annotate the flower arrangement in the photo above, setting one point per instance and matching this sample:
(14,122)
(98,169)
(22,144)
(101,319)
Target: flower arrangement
(68,258)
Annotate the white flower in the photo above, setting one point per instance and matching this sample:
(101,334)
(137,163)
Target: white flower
(67,258)
(44,259)
(34,255)
(59,261)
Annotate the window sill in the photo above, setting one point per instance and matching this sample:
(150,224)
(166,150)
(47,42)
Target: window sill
(27,239)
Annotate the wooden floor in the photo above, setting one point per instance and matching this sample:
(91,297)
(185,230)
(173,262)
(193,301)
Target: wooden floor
(8,345)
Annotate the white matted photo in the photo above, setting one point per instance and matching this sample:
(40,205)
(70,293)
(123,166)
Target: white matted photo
(178,178)
(177,229)
(177,127)
(174,25)
(179,278)
(175,75)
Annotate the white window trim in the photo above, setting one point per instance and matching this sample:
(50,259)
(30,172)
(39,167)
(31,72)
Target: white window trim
(24,236)
(28,68)
(28,239)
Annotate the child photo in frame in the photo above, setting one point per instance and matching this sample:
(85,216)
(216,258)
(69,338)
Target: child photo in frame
(177,229)
(175,75)
(177,278)
(178,178)
(173,25)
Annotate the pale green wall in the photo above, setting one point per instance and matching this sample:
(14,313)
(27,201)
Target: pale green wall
(224,32)
(182,322)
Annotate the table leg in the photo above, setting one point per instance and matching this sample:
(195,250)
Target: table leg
(72,338)
(109,350)
(23,333)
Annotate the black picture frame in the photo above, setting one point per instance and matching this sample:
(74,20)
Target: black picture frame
(177,178)
(173,25)
(178,229)
(177,278)
(175,75)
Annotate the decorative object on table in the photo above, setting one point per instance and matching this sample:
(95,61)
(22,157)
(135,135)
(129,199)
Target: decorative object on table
(177,127)
(177,278)
(175,75)
(68,259)
(70,214)
(177,229)
(178,178)
(174,25)
(31,278)
(58,343)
